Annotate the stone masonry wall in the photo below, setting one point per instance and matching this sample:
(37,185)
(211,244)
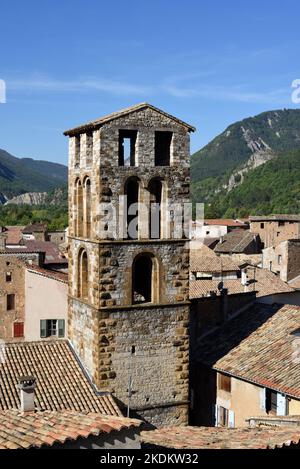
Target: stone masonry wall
(17,287)
(158,364)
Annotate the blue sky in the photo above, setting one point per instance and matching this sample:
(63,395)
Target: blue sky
(210,63)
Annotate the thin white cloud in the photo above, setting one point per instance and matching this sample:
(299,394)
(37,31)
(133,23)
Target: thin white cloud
(179,86)
(236,93)
(41,83)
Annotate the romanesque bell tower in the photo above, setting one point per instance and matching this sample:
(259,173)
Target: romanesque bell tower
(128,271)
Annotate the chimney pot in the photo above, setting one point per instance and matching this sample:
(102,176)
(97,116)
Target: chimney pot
(27,385)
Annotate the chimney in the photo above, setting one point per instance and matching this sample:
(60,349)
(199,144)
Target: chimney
(27,385)
(3,237)
(244,278)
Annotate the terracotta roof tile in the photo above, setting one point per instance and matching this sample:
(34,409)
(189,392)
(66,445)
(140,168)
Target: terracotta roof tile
(224,222)
(52,252)
(60,276)
(264,282)
(40,429)
(236,241)
(203,259)
(61,382)
(221,438)
(257,346)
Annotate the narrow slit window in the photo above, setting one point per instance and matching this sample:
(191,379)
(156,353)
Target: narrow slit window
(8,276)
(127,147)
(162,148)
(10,302)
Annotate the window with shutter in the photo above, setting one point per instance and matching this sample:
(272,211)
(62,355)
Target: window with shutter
(61,328)
(43,328)
(224,382)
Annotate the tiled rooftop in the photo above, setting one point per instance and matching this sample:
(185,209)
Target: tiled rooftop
(281,217)
(44,429)
(235,242)
(221,438)
(52,253)
(59,276)
(203,259)
(257,346)
(224,222)
(264,282)
(13,234)
(61,382)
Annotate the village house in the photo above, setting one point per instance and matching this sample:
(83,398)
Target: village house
(33,300)
(284,260)
(216,228)
(273,229)
(12,298)
(210,274)
(46,304)
(239,242)
(248,366)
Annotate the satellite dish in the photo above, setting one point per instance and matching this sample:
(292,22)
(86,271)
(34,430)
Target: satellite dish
(220,286)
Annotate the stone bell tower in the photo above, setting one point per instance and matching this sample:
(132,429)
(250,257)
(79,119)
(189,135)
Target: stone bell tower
(129,286)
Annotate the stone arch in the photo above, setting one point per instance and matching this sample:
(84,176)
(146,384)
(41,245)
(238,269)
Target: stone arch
(87,215)
(82,274)
(145,278)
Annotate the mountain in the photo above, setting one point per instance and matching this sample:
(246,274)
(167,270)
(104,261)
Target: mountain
(21,175)
(222,167)
(271,188)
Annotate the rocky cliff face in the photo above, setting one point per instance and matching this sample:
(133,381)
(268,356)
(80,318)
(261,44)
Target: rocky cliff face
(222,165)
(56,197)
(30,198)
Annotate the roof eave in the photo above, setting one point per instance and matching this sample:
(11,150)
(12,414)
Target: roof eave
(96,124)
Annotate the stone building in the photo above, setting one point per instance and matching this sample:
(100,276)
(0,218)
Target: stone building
(129,292)
(274,229)
(246,367)
(12,298)
(283,259)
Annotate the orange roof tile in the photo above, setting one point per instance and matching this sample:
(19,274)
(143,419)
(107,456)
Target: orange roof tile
(61,381)
(44,429)
(221,438)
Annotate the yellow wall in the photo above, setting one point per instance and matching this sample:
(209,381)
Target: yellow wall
(294,407)
(245,401)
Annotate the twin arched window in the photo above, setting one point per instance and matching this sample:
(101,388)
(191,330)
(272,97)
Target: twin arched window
(82,215)
(152,196)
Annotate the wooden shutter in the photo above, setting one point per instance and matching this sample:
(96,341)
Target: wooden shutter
(281,404)
(43,328)
(61,328)
(231,419)
(19,329)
